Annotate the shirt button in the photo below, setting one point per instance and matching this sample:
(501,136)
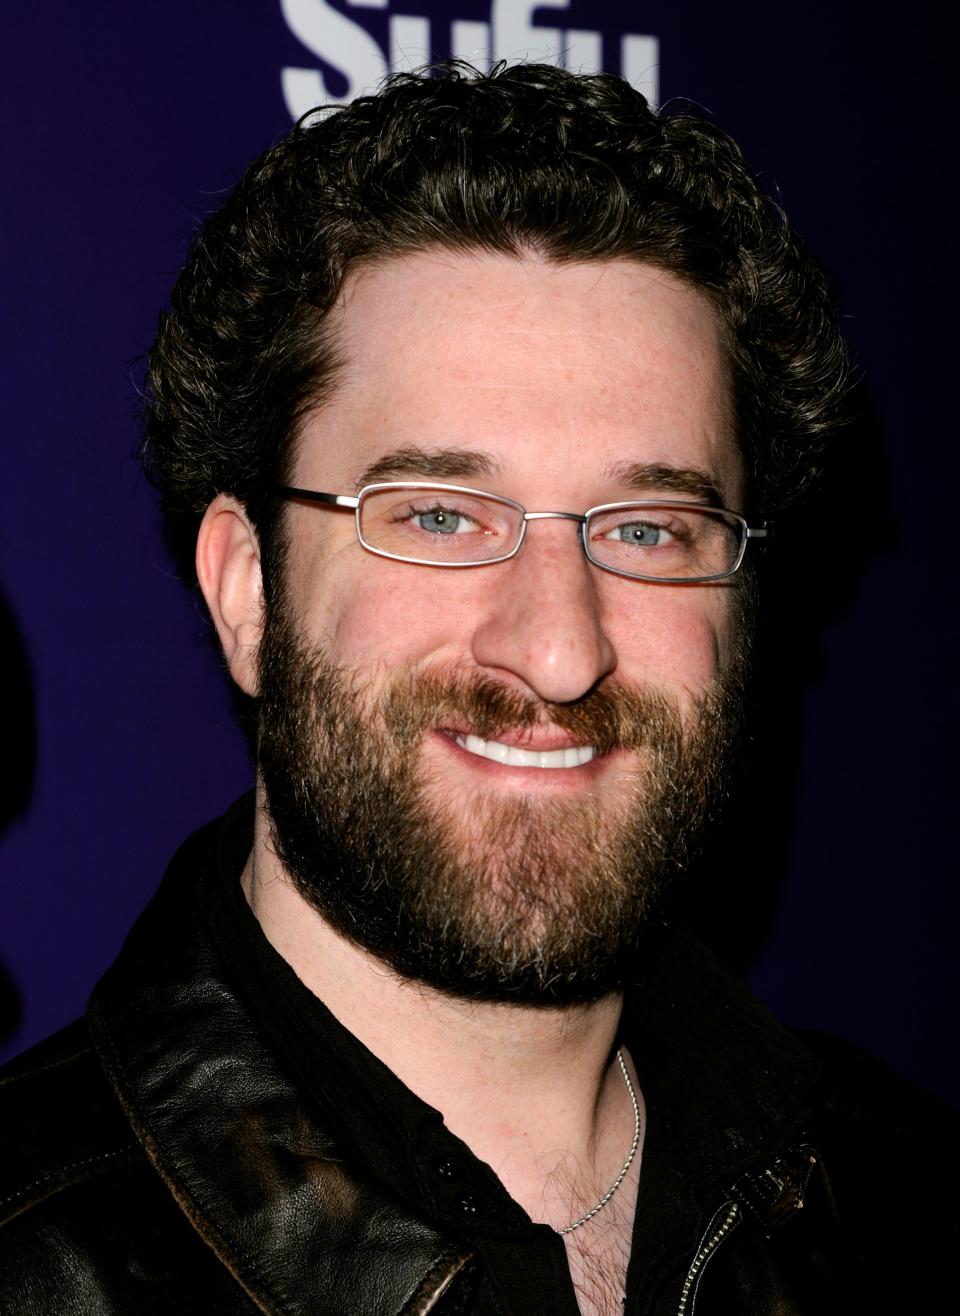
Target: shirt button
(468,1204)
(445,1169)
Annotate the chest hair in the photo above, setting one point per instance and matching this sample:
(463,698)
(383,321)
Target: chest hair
(598,1254)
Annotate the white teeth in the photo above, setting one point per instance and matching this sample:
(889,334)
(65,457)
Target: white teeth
(526,758)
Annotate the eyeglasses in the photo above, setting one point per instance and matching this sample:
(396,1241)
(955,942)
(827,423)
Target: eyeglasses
(446,525)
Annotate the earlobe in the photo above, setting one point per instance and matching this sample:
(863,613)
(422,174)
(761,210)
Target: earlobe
(228,569)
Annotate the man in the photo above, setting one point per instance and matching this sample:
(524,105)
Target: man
(471,400)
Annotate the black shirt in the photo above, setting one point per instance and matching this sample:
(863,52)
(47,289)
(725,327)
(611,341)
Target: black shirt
(722,1082)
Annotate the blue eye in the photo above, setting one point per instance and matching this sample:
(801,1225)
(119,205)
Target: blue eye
(645,534)
(444,521)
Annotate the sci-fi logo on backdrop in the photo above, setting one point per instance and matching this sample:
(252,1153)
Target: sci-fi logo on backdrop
(361,49)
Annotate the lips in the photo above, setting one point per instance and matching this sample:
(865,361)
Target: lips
(573,756)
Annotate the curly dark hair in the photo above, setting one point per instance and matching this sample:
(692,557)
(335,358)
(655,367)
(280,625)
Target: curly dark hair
(525,158)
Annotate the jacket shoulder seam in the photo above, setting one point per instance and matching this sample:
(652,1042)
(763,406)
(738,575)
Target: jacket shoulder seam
(70,1046)
(25,1075)
(63,1177)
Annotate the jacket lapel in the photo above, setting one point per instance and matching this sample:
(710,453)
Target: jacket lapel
(259,1178)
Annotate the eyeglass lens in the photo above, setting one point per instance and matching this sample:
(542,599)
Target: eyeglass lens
(665,542)
(441,526)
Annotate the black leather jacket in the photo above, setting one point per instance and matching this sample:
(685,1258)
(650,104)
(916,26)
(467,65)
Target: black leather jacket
(157,1159)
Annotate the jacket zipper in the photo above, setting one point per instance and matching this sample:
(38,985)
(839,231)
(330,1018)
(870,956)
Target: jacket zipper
(720,1226)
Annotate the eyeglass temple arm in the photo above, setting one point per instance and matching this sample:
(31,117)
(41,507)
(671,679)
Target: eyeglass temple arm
(314,496)
(759,532)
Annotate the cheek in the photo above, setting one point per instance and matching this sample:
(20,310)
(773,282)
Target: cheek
(386,615)
(675,639)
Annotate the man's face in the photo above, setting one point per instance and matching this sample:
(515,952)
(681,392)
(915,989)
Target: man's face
(561,387)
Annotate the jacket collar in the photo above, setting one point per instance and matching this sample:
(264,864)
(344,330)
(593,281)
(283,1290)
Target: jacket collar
(264,1185)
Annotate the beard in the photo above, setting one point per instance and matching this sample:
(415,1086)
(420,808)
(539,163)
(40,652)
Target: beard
(493,897)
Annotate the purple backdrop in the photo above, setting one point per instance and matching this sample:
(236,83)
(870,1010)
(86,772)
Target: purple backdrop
(124,123)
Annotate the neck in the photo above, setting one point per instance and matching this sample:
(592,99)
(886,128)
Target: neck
(535,1093)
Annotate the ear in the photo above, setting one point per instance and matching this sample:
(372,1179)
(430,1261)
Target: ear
(228,569)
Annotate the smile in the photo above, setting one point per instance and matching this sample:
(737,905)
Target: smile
(513,757)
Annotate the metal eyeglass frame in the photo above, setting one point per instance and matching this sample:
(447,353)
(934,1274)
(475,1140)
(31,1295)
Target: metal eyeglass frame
(350,502)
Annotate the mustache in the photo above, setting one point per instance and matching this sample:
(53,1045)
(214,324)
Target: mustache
(612,716)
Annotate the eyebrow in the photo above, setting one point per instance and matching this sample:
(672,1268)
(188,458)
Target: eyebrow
(657,477)
(411,462)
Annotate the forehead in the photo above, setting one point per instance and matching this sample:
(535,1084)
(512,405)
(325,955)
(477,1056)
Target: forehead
(567,373)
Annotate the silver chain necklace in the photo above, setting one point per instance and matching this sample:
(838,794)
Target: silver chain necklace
(568,1229)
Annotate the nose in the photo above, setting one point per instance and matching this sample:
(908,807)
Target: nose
(543,624)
